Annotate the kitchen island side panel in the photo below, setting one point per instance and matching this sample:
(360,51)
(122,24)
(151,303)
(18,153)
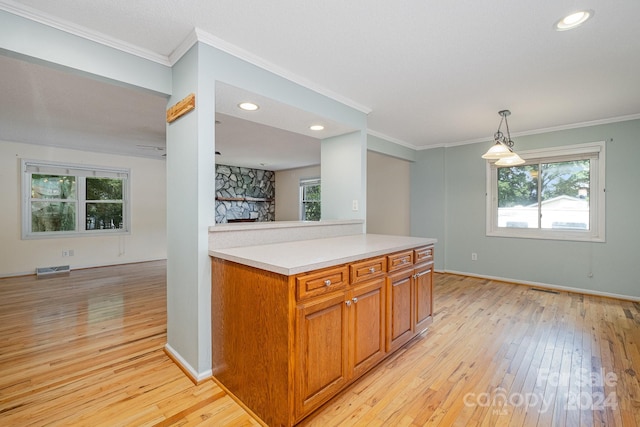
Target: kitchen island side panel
(252,332)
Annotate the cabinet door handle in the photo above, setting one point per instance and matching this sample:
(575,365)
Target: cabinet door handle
(327,282)
(372,270)
(415,276)
(348,302)
(354,299)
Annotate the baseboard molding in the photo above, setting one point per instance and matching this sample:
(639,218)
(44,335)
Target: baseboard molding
(546,286)
(83,267)
(195,376)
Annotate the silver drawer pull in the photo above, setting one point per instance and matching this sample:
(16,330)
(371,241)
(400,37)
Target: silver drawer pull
(354,299)
(415,276)
(327,282)
(372,270)
(348,302)
(404,260)
(428,253)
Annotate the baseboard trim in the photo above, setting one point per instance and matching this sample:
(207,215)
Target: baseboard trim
(546,286)
(186,368)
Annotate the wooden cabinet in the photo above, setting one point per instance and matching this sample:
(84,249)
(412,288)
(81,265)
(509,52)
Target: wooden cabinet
(409,296)
(340,334)
(284,345)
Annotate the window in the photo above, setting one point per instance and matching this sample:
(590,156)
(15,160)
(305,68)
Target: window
(310,199)
(558,193)
(65,200)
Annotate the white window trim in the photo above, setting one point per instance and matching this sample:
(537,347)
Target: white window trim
(46,167)
(596,233)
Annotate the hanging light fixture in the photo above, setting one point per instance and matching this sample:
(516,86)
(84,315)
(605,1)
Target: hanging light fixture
(502,150)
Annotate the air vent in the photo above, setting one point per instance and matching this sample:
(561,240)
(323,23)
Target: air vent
(42,272)
(549,291)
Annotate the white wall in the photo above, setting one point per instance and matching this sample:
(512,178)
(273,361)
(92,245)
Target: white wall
(388,195)
(147,240)
(288,191)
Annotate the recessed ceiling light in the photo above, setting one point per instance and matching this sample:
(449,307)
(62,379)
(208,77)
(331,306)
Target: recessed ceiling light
(316,127)
(248,106)
(574,20)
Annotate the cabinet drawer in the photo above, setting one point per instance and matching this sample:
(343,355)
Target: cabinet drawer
(322,282)
(365,270)
(423,254)
(399,260)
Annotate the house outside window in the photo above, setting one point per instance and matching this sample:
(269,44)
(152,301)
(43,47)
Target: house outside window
(559,193)
(70,200)
(310,199)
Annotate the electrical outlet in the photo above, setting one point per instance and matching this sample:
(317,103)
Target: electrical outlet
(474,256)
(65,253)
(71,253)
(355,205)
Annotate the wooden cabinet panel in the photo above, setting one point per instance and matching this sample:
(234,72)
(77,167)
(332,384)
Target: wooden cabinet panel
(424,254)
(400,310)
(423,277)
(367,321)
(367,270)
(322,282)
(400,260)
(322,353)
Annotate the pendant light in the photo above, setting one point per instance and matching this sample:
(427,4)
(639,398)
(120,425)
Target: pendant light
(502,149)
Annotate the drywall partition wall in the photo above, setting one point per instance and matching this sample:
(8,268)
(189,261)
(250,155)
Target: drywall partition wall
(190,178)
(388,195)
(31,40)
(428,200)
(147,240)
(392,149)
(190,212)
(288,191)
(343,164)
(611,267)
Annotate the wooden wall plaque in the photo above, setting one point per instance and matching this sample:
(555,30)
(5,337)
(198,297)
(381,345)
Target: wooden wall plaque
(181,108)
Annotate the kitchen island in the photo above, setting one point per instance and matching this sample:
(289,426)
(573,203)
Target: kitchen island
(293,323)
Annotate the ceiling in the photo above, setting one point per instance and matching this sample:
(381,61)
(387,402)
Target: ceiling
(430,73)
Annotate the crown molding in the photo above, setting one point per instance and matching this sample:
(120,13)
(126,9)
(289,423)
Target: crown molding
(80,31)
(231,49)
(540,131)
(391,139)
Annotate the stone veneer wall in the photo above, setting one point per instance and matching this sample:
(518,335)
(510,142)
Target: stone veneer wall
(252,190)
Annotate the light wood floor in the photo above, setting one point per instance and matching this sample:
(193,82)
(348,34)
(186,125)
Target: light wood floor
(86,349)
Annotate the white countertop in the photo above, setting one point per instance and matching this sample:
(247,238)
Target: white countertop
(290,258)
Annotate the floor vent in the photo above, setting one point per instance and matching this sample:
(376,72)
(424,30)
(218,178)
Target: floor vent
(42,272)
(549,291)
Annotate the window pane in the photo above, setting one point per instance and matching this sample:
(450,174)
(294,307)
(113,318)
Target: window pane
(102,216)
(104,188)
(518,196)
(53,216)
(311,211)
(565,195)
(53,187)
(311,192)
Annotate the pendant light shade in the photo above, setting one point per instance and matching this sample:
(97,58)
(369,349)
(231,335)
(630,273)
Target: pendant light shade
(497,151)
(502,149)
(513,160)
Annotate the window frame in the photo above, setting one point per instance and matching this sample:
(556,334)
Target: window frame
(80,172)
(595,151)
(308,182)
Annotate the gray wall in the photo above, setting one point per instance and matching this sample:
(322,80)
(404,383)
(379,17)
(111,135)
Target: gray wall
(448,202)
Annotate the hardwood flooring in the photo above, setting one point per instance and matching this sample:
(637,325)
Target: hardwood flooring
(87,350)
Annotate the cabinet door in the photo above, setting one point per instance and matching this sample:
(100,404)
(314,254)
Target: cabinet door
(367,321)
(423,275)
(400,308)
(322,354)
